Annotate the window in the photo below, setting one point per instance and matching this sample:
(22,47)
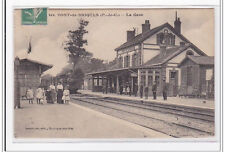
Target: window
(150,80)
(172,75)
(143,80)
(100,82)
(95,82)
(120,62)
(139,58)
(160,38)
(209,74)
(189,52)
(134,60)
(165,38)
(157,79)
(127,61)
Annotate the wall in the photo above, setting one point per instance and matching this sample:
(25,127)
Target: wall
(128,51)
(28,76)
(186,88)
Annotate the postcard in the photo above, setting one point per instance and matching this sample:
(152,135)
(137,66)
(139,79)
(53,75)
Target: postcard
(114,73)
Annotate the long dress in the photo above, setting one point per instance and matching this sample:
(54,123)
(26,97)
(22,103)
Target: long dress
(52,93)
(48,96)
(66,95)
(59,94)
(39,94)
(30,94)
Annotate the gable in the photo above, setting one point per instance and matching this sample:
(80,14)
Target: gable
(180,57)
(185,62)
(153,38)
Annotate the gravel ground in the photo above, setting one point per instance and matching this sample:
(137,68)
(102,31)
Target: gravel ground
(165,126)
(191,102)
(73,121)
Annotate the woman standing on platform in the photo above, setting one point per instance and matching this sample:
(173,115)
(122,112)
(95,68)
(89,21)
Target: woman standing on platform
(52,93)
(48,96)
(59,93)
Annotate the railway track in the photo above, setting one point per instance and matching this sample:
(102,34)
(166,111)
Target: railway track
(174,121)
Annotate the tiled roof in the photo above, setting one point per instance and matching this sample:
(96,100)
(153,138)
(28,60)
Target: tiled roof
(44,66)
(143,36)
(162,58)
(37,62)
(202,60)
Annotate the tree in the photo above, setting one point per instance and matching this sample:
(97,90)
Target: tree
(76,42)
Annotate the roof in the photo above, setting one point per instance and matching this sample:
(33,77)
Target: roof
(161,59)
(201,60)
(143,36)
(109,70)
(44,66)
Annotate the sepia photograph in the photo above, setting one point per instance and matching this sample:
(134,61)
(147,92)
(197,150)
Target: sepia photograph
(134,73)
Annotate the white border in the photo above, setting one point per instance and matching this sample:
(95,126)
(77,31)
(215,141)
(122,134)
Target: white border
(88,145)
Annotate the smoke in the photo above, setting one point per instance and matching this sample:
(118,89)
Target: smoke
(48,51)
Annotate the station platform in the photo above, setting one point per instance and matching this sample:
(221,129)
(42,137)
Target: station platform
(180,101)
(73,121)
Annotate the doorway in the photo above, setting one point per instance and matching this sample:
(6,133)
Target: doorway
(173,81)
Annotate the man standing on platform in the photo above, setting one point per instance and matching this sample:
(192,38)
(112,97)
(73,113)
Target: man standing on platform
(141,90)
(135,89)
(164,90)
(154,89)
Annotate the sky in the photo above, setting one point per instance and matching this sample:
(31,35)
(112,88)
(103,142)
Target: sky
(105,33)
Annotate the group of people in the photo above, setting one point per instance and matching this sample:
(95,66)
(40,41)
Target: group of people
(154,90)
(144,90)
(126,89)
(52,94)
(39,95)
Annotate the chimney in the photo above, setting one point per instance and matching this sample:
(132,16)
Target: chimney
(182,43)
(162,50)
(177,24)
(130,35)
(146,26)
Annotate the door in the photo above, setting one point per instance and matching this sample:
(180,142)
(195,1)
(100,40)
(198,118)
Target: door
(173,81)
(135,85)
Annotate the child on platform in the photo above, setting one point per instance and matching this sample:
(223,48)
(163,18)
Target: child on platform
(66,95)
(30,95)
(39,95)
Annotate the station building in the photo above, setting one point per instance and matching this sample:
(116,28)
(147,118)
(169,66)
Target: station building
(28,74)
(151,56)
(197,76)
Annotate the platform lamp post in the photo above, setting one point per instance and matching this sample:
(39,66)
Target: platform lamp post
(16,83)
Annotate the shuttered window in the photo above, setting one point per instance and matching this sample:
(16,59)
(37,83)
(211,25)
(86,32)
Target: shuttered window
(127,61)
(120,60)
(139,58)
(134,60)
(168,38)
